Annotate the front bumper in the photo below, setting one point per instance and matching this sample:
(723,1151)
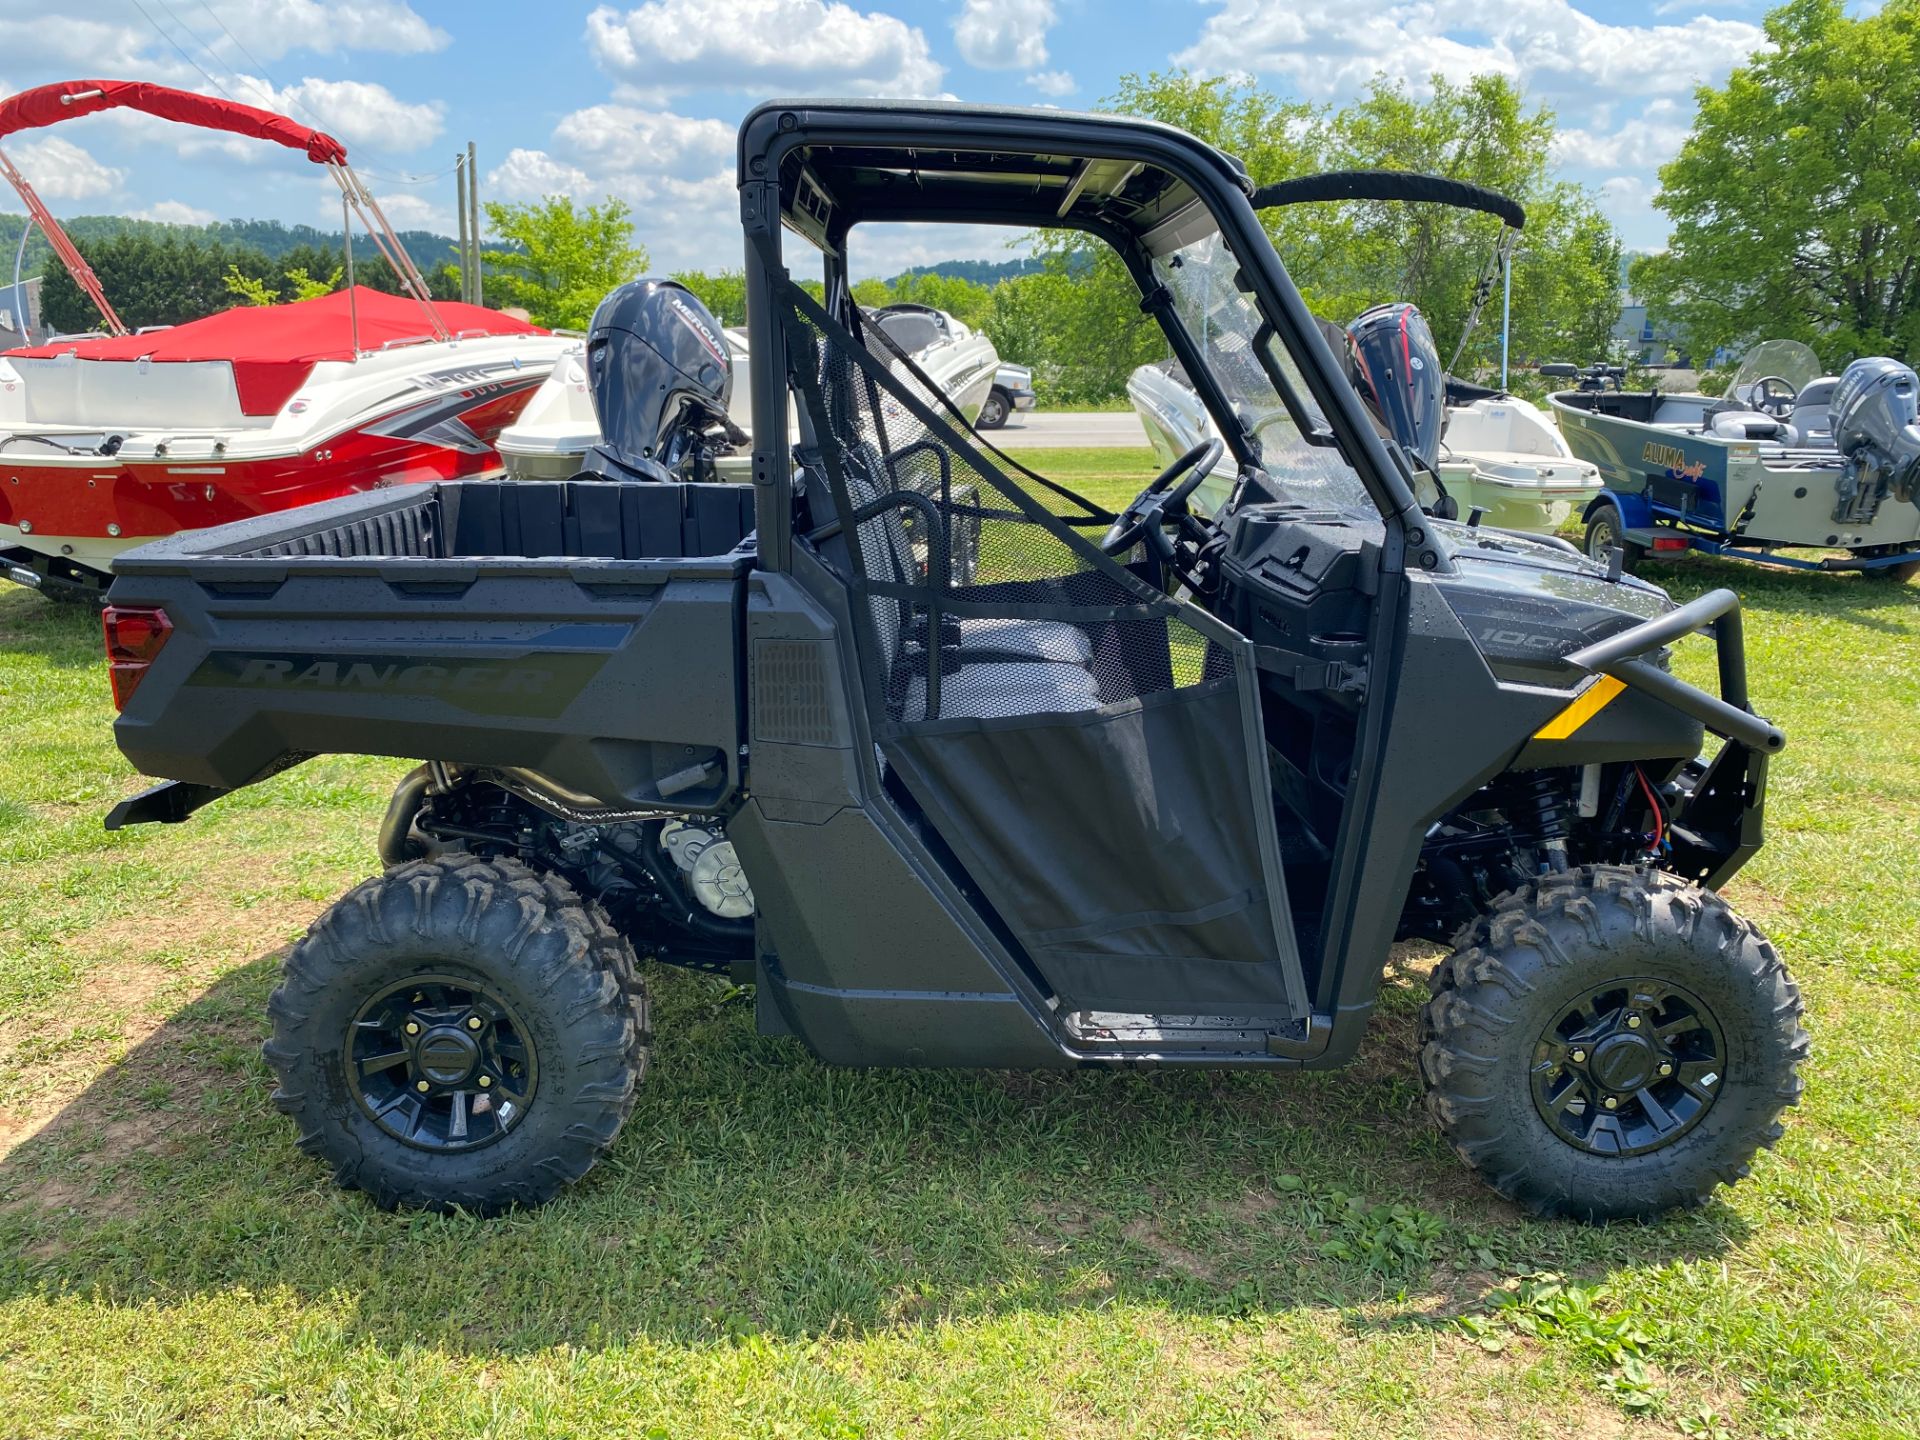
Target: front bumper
(1022,399)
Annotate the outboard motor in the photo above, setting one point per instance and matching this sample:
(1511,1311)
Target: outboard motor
(1395,366)
(658,368)
(1876,427)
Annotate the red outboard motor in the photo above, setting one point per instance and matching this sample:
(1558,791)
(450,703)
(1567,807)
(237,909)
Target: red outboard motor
(658,367)
(1395,366)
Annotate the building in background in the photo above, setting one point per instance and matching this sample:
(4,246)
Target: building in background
(16,328)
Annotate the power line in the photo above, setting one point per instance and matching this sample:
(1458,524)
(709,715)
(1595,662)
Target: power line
(166,36)
(292,97)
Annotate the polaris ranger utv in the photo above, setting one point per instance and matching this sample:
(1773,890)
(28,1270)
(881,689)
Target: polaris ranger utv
(1139,789)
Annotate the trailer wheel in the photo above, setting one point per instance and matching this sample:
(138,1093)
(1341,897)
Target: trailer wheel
(460,1033)
(1605,532)
(1611,1043)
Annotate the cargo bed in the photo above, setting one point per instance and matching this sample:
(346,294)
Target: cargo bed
(582,636)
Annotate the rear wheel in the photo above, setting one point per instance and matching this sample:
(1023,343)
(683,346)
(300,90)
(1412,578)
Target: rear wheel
(1605,533)
(1611,1043)
(994,413)
(459,1034)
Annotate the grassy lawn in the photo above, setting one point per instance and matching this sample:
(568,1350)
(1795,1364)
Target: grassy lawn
(776,1248)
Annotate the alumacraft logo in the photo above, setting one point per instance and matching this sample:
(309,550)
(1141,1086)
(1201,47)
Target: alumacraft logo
(539,685)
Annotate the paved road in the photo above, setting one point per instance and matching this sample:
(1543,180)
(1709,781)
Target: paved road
(1052,430)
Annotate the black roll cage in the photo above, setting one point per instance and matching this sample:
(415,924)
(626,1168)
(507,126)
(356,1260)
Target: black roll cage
(774,131)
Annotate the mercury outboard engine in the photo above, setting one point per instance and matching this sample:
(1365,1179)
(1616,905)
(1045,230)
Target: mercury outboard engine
(1395,366)
(658,368)
(1876,427)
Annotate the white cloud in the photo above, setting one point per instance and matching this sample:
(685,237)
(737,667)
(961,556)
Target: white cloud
(534,175)
(1004,34)
(623,135)
(358,112)
(1053,82)
(669,46)
(1649,139)
(404,211)
(272,28)
(1328,49)
(175,212)
(60,170)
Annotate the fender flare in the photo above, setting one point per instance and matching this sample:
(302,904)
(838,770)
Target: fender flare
(1635,513)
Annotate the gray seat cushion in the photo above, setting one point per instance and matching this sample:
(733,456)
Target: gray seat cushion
(1001,638)
(994,691)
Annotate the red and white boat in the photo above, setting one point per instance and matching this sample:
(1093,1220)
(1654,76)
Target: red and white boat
(109,441)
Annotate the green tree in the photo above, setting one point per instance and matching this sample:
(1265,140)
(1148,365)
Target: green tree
(1795,200)
(1346,257)
(563,261)
(152,281)
(724,293)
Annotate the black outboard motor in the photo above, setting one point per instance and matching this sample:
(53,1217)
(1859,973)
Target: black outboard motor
(1876,426)
(1395,366)
(658,367)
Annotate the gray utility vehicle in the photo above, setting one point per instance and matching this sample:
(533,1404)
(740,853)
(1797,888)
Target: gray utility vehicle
(1143,789)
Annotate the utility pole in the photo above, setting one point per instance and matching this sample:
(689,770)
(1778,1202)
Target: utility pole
(473,207)
(460,204)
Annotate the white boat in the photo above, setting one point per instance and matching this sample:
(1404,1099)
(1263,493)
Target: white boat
(112,440)
(552,436)
(1499,454)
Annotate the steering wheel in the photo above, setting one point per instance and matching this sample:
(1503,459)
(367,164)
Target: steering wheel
(1762,396)
(1142,519)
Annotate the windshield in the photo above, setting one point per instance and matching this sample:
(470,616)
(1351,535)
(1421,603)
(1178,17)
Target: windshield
(1786,360)
(1224,323)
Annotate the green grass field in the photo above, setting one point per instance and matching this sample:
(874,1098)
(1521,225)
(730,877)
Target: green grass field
(776,1248)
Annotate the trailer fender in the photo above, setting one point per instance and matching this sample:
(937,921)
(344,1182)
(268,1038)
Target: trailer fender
(1635,512)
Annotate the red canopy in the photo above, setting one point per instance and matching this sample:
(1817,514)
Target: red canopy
(50,104)
(273,347)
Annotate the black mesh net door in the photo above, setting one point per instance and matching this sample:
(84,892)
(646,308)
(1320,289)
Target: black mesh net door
(1087,746)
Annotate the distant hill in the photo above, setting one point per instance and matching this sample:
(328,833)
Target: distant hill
(269,236)
(987,272)
(980,272)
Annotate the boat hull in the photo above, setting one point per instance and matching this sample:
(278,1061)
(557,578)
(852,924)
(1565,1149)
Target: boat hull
(86,510)
(1728,489)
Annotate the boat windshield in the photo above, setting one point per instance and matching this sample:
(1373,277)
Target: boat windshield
(1226,325)
(1786,360)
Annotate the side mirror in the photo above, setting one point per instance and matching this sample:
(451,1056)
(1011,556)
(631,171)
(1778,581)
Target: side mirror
(1560,371)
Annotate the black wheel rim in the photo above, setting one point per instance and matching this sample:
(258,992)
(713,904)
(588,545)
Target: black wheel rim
(1629,1067)
(441,1063)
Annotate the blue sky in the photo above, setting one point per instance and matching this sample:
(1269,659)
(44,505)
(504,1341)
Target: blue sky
(640,99)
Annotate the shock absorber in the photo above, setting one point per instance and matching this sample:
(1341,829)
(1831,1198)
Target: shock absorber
(1539,810)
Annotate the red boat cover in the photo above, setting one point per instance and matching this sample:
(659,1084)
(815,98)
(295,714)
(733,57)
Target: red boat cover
(273,347)
(50,104)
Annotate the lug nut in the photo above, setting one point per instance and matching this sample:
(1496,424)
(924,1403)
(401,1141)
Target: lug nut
(413,1027)
(1633,1022)
(1579,1057)
(474,1022)
(422,1086)
(485,1081)
(1666,1069)
(1611,1103)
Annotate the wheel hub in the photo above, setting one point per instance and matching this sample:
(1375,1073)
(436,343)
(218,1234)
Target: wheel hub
(446,1056)
(1628,1067)
(1622,1063)
(441,1063)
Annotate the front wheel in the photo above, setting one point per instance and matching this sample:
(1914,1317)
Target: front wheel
(459,1033)
(994,413)
(1611,1043)
(1605,533)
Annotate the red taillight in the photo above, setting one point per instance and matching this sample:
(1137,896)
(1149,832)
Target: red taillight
(134,637)
(1670,542)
